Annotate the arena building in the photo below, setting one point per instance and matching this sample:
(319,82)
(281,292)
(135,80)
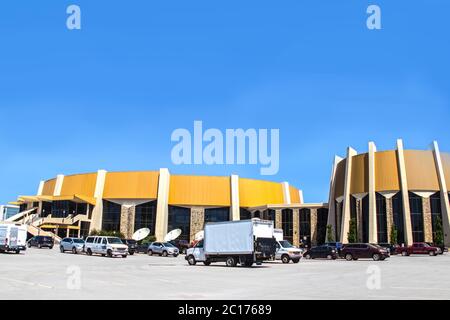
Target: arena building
(405,190)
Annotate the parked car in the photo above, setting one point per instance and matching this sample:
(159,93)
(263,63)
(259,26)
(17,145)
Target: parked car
(182,245)
(321,252)
(13,237)
(419,248)
(355,251)
(75,245)
(132,245)
(440,246)
(337,245)
(142,248)
(163,249)
(286,252)
(106,246)
(391,247)
(41,242)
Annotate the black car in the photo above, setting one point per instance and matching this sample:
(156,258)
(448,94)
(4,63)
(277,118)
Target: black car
(321,252)
(132,245)
(182,245)
(41,242)
(390,247)
(142,248)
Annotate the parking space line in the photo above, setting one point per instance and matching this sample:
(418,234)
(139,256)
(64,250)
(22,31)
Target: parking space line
(27,283)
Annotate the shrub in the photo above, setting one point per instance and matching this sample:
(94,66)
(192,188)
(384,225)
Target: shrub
(330,237)
(352,234)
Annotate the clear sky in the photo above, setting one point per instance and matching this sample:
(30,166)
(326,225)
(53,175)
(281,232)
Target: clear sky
(108,96)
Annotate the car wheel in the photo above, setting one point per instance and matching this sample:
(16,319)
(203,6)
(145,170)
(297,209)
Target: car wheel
(404,253)
(191,260)
(308,256)
(51,247)
(89,252)
(61,248)
(329,257)
(124,256)
(432,253)
(175,255)
(74,250)
(39,246)
(164,254)
(285,258)
(109,253)
(17,251)
(348,257)
(150,252)
(376,257)
(29,245)
(295,260)
(184,251)
(131,253)
(207,263)
(231,262)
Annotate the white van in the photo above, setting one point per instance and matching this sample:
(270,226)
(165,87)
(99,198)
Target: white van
(106,246)
(285,250)
(13,237)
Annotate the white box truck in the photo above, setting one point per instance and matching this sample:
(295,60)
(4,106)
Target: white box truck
(245,242)
(13,237)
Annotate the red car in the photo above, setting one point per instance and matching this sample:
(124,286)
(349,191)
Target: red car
(418,248)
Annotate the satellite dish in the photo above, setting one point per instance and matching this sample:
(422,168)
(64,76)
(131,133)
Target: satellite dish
(141,234)
(199,235)
(172,235)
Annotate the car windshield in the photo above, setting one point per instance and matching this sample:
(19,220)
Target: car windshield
(78,241)
(131,241)
(286,244)
(168,244)
(114,241)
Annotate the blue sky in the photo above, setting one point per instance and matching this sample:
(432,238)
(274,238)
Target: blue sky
(109,96)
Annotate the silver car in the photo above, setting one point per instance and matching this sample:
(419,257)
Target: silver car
(163,249)
(75,245)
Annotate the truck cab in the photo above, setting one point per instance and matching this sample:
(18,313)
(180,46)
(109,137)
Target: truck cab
(286,252)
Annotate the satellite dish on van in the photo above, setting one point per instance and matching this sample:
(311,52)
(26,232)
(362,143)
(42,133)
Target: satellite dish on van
(199,235)
(172,235)
(141,234)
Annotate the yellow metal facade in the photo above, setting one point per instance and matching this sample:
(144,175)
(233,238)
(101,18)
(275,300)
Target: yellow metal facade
(421,170)
(295,196)
(445,157)
(49,187)
(386,171)
(254,193)
(340,178)
(131,185)
(83,184)
(360,174)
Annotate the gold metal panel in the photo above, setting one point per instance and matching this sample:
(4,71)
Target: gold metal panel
(253,193)
(445,157)
(387,176)
(295,196)
(83,184)
(200,191)
(421,170)
(49,187)
(131,185)
(360,174)
(340,179)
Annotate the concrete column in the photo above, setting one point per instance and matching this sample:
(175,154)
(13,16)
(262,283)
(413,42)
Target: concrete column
(427,222)
(313,227)
(345,220)
(286,193)
(359,220)
(58,185)
(296,227)
(300,195)
(373,235)
(235,202)
(162,210)
(445,204)
(405,194)
(278,219)
(197,221)
(331,201)
(127,218)
(41,188)
(97,211)
(337,235)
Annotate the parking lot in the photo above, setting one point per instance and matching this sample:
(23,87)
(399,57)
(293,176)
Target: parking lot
(48,274)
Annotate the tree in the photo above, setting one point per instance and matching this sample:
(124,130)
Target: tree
(104,233)
(394,235)
(352,235)
(438,232)
(148,239)
(330,237)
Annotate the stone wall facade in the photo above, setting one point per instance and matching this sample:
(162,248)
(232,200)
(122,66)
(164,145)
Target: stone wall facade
(427,221)
(313,227)
(296,227)
(197,221)
(127,216)
(278,217)
(390,218)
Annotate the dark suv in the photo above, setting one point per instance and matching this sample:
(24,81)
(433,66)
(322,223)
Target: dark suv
(355,251)
(132,245)
(41,242)
(321,252)
(182,245)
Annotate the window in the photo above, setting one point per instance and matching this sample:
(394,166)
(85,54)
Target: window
(436,212)
(180,218)
(111,216)
(269,214)
(382,232)
(217,215)
(415,203)
(245,214)
(322,221)
(365,218)
(397,213)
(145,216)
(62,209)
(305,225)
(287,224)
(46,209)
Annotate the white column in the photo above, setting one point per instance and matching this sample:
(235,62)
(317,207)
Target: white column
(345,220)
(332,199)
(286,193)
(235,204)
(162,209)
(445,205)
(41,188)
(58,185)
(97,211)
(300,196)
(404,186)
(373,235)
